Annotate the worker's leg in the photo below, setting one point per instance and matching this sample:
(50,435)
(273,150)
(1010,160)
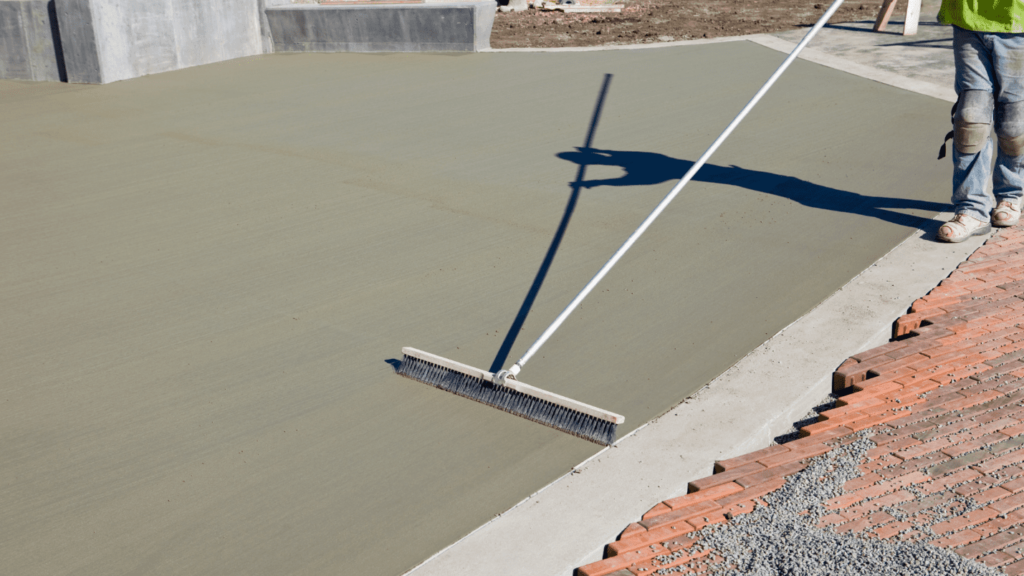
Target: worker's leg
(1008,177)
(972,149)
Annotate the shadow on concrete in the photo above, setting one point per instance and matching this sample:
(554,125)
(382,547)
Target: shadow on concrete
(933,43)
(648,168)
(58,48)
(542,272)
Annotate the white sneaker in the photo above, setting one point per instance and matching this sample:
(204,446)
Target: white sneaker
(1007,213)
(962,227)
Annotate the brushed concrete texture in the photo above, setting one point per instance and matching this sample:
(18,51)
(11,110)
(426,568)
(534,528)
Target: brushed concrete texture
(111,40)
(207,276)
(30,47)
(448,27)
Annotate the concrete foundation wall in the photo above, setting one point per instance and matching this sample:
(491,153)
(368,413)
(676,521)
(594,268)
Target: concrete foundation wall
(110,40)
(30,47)
(462,27)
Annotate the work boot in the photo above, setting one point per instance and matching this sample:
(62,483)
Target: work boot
(1007,213)
(962,227)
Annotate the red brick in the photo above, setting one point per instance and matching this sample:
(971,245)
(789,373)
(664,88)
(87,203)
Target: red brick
(964,521)
(971,401)
(725,477)
(957,539)
(997,559)
(991,495)
(744,507)
(713,493)
(659,509)
(1015,569)
(1008,504)
(1013,486)
(808,451)
(865,423)
(684,559)
(947,482)
(831,520)
(862,482)
(724,465)
(659,535)
(633,529)
(890,530)
(699,522)
(996,463)
(1000,523)
(752,493)
(992,543)
(770,474)
(680,515)
(855,526)
(868,393)
(973,445)
(818,428)
(621,562)
(925,448)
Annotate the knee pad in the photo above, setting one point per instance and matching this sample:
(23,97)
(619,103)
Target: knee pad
(1010,127)
(972,124)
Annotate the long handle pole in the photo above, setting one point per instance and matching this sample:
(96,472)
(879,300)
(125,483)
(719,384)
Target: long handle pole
(671,195)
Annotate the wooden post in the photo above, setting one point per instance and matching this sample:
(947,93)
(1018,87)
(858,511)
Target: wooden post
(913,15)
(884,14)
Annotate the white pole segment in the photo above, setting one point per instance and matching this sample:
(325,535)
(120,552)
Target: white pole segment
(671,195)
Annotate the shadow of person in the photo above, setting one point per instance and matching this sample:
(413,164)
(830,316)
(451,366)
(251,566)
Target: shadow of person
(649,168)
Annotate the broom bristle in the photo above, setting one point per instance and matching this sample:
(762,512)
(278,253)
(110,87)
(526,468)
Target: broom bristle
(559,417)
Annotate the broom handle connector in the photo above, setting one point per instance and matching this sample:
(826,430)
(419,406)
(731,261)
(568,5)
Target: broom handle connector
(675,191)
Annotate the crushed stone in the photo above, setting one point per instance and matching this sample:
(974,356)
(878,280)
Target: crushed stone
(782,538)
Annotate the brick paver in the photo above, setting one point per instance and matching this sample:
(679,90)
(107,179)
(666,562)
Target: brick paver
(944,403)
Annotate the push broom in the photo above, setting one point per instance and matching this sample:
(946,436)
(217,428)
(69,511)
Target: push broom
(503,390)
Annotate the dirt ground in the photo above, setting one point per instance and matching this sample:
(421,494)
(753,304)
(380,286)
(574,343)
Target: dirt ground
(646,21)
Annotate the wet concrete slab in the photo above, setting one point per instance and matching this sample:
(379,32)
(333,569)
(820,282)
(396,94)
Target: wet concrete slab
(209,273)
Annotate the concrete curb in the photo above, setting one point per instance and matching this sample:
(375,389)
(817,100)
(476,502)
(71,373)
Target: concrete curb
(871,73)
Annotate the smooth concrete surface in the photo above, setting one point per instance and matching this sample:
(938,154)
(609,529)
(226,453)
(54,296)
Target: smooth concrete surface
(568,523)
(208,281)
(111,40)
(30,46)
(448,27)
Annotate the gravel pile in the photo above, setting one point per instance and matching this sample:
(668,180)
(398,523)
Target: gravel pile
(783,538)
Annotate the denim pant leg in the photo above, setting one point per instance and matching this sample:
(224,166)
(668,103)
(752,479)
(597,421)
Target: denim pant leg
(993,63)
(1008,58)
(971,172)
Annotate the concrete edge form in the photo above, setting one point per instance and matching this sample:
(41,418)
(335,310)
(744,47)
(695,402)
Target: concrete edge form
(568,523)
(435,27)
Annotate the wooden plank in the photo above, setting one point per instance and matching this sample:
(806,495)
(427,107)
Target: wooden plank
(884,14)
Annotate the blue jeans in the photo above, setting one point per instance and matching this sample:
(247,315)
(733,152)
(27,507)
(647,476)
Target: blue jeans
(993,63)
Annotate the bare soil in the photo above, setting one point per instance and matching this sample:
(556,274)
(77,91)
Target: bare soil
(648,21)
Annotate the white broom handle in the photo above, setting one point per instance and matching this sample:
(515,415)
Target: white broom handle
(671,195)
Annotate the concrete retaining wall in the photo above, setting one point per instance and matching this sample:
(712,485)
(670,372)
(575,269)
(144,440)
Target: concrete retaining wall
(30,47)
(461,27)
(109,40)
(101,41)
